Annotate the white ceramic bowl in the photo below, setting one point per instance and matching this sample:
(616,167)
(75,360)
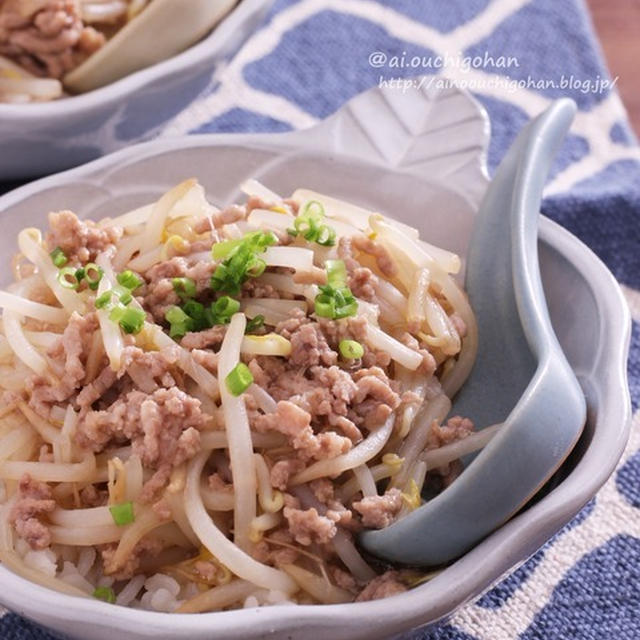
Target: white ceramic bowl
(419,157)
(39,139)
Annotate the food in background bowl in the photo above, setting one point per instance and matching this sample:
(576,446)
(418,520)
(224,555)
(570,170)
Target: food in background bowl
(202,407)
(47,46)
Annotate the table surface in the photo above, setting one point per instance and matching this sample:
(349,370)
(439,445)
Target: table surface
(617,23)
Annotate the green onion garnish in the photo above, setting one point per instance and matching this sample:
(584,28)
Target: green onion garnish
(123,294)
(58,257)
(180,322)
(350,349)
(130,320)
(223,308)
(105,593)
(308,224)
(255,323)
(184,287)
(326,236)
(122,513)
(335,299)
(241,260)
(239,380)
(103,300)
(129,280)
(92,274)
(67,278)
(336,273)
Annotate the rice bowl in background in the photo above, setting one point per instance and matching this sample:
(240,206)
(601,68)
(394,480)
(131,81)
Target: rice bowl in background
(47,137)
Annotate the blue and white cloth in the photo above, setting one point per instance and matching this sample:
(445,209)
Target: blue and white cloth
(309,57)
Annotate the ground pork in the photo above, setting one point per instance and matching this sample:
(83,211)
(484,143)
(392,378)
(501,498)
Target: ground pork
(35,500)
(163,428)
(90,496)
(145,548)
(379,511)
(342,578)
(207,359)
(361,280)
(297,318)
(308,526)
(69,355)
(283,470)
(456,428)
(46,37)
(388,584)
(324,393)
(253,288)
(384,261)
(295,423)
(309,347)
(207,339)
(344,329)
(276,549)
(375,399)
(428,365)
(81,240)
(148,369)
(220,218)
(96,389)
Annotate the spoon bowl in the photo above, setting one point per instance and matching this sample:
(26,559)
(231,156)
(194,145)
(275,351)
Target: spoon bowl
(521,377)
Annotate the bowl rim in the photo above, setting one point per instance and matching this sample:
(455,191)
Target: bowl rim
(473,572)
(138,80)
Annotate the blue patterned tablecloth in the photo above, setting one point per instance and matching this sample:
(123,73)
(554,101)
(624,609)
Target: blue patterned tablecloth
(311,56)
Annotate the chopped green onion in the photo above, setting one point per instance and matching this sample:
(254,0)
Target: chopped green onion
(123,294)
(221,250)
(67,278)
(255,323)
(58,257)
(326,236)
(184,287)
(105,593)
(325,306)
(308,224)
(130,320)
(350,349)
(313,208)
(239,379)
(336,273)
(79,273)
(129,280)
(122,514)
(241,260)
(223,308)
(335,299)
(92,274)
(180,322)
(103,300)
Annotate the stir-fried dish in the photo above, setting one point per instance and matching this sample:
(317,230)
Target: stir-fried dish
(46,45)
(202,408)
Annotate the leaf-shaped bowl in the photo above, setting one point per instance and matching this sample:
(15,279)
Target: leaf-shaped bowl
(42,138)
(418,156)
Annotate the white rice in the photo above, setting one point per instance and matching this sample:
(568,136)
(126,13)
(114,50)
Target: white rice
(130,590)
(161,594)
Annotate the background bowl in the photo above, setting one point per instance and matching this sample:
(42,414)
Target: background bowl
(43,138)
(419,157)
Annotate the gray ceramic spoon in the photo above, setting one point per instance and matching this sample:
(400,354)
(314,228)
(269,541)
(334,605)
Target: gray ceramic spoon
(520,377)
